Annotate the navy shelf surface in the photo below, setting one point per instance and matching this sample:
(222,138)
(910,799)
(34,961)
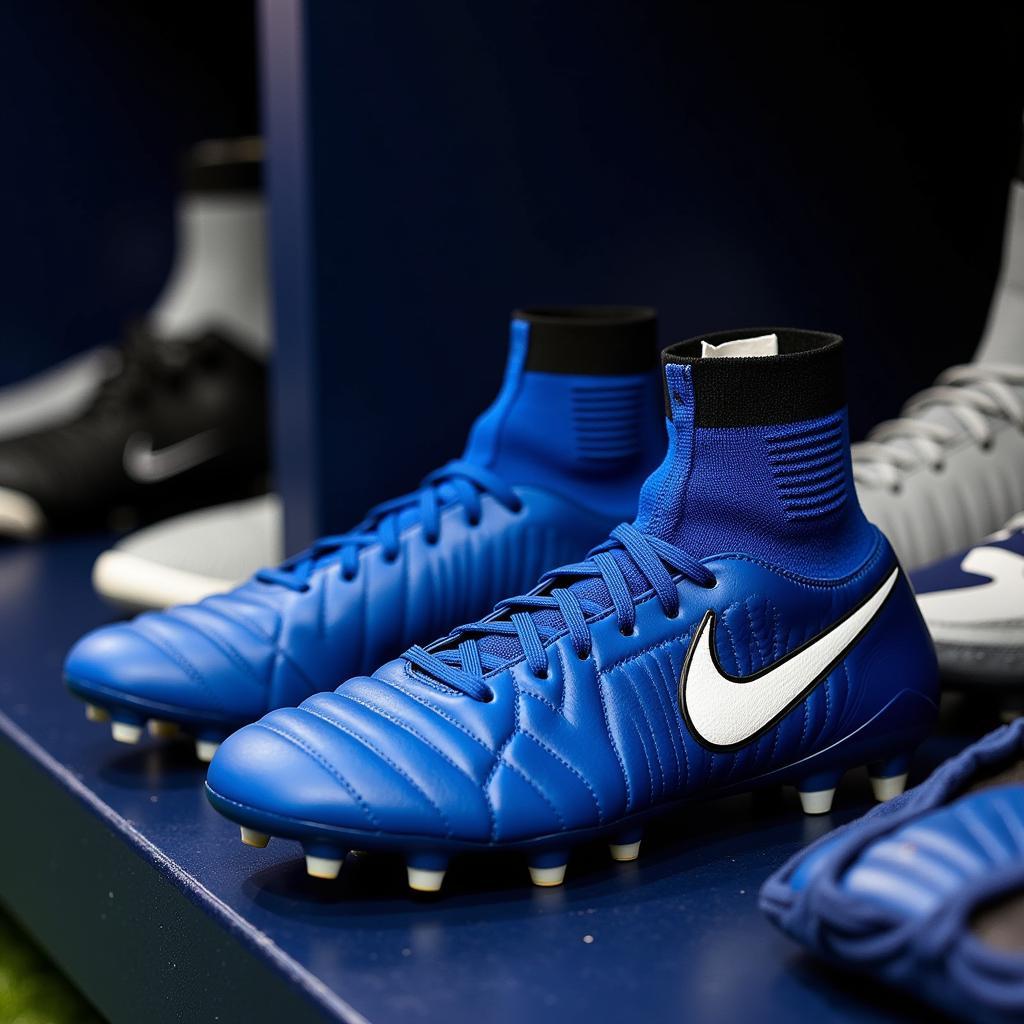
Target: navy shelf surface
(675,936)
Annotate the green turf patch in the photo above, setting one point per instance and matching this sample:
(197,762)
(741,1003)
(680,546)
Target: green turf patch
(32,990)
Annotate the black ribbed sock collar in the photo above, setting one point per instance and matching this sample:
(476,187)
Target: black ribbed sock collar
(591,340)
(804,381)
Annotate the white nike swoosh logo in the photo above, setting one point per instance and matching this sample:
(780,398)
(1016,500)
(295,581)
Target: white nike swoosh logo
(999,599)
(147,466)
(729,711)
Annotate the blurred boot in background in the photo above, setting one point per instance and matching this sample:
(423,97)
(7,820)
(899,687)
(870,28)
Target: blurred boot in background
(178,421)
(950,470)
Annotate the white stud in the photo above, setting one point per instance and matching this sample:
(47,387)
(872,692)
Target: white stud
(548,877)
(817,802)
(125,732)
(205,749)
(624,852)
(96,714)
(886,788)
(323,867)
(425,879)
(161,730)
(253,838)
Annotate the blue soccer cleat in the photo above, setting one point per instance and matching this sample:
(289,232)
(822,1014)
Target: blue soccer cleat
(925,892)
(749,628)
(555,461)
(973,604)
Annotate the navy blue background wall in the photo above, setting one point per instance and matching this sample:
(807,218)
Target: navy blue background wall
(435,164)
(767,164)
(97,102)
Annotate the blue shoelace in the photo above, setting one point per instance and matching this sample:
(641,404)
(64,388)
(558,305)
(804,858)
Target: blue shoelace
(465,660)
(457,483)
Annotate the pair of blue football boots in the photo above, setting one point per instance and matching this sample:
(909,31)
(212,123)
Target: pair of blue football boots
(744,626)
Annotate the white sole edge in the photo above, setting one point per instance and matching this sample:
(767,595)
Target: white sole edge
(20,516)
(140,584)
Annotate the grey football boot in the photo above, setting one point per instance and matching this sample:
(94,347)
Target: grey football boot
(188,557)
(950,470)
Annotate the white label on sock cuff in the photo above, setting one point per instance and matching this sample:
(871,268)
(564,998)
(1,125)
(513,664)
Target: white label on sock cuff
(766,345)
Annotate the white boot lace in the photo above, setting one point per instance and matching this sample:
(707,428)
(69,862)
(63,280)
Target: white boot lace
(1016,523)
(974,396)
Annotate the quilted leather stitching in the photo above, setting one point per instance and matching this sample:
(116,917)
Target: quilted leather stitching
(570,768)
(601,681)
(666,645)
(757,635)
(451,721)
(396,768)
(407,728)
(242,622)
(503,747)
(245,620)
(281,658)
(441,713)
(536,787)
(731,637)
(652,733)
(642,739)
(541,699)
(227,649)
(186,666)
(324,763)
(673,715)
(668,719)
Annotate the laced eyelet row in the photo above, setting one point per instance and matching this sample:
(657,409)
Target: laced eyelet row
(463,659)
(459,483)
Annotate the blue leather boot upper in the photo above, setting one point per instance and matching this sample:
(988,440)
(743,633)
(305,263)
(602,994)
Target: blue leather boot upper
(590,702)
(554,462)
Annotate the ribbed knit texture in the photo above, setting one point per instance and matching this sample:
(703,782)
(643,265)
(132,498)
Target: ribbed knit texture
(782,492)
(592,438)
